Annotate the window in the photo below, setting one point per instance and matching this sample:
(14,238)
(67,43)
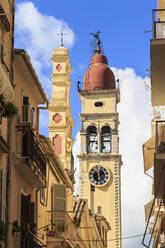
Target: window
(28,113)
(92,139)
(105,139)
(42,196)
(98,104)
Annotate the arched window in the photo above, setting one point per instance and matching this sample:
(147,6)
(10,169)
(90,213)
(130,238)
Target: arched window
(92,140)
(105,139)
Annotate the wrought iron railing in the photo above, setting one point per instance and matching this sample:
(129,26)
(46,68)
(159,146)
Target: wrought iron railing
(158,22)
(80,86)
(32,150)
(61,225)
(30,240)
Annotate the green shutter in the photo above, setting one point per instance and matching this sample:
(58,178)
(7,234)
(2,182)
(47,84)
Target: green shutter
(58,207)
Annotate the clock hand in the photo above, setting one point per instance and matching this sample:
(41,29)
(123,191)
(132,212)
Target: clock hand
(98,173)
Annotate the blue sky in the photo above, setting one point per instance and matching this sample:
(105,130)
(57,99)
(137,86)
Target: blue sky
(127,47)
(122,25)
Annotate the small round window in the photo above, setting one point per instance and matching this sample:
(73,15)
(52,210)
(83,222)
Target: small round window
(98,104)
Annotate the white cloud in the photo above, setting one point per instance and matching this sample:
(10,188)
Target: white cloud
(134,130)
(37,33)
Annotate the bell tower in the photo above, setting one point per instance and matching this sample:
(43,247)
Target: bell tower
(100,161)
(60,119)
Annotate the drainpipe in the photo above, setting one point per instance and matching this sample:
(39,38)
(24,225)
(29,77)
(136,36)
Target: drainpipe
(12,42)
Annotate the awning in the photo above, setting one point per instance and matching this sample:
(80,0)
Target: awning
(147,209)
(148,153)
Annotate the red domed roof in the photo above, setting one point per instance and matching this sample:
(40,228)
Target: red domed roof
(99,58)
(99,76)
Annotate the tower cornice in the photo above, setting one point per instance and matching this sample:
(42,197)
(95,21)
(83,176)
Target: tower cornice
(100,115)
(110,92)
(101,156)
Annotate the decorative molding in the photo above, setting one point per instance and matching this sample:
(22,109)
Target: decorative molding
(59,67)
(57,118)
(117,205)
(57,142)
(101,156)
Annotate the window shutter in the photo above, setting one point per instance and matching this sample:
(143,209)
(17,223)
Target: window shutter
(58,207)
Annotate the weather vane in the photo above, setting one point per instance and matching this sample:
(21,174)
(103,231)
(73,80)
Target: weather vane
(62,38)
(96,43)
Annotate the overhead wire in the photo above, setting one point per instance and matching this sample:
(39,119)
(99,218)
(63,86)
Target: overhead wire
(115,239)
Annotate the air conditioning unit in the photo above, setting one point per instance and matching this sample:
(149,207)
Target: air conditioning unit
(28,114)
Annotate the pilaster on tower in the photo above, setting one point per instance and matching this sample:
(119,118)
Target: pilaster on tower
(60,119)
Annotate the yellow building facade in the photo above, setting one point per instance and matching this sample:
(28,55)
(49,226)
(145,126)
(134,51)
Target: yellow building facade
(100,160)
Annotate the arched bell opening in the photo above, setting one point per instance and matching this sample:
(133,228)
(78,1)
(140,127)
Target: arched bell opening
(91,139)
(105,139)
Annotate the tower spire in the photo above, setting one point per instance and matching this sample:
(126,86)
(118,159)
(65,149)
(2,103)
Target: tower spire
(62,38)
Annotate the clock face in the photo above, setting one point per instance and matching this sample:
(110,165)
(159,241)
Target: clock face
(99,175)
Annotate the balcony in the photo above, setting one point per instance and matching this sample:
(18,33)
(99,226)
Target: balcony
(6,88)
(160,139)
(30,240)
(154,212)
(159,159)
(31,156)
(157,49)
(61,228)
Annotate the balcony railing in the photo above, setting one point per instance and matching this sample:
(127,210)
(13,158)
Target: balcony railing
(30,240)
(158,20)
(61,226)
(160,136)
(6,88)
(32,154)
